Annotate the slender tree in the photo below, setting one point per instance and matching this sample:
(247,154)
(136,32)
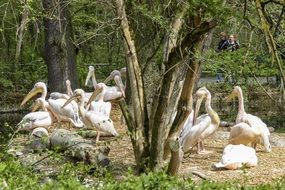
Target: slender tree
(152,131)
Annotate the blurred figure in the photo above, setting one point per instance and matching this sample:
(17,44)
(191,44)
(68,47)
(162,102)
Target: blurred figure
(223,43)
(233,43)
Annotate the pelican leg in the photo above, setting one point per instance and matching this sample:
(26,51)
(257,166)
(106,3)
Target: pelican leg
(198,147)
(203,150)
(97,137)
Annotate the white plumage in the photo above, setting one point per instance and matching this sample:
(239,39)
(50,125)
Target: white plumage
(236,156)
(91,119)
(69,113)
(205,125)
(256,124)
(35,119)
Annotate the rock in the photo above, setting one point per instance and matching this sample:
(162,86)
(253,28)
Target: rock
(39,139)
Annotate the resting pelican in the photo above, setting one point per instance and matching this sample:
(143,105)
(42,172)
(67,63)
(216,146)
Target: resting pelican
(254,122)
(204,127)
(236,156)
(69,113)
(57,95)
(36,119)
(242,133)
(90,118)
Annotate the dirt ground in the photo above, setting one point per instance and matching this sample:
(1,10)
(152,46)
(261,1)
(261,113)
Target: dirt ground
(270,165)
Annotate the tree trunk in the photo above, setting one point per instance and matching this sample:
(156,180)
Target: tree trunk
(139,133)
(20,31)
(160,131)
(59,49)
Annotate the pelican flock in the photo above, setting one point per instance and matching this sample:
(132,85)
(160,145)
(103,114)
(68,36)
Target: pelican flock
(92,110)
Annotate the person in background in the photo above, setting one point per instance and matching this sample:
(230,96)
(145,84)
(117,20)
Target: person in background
(223,43)
(232,43)
(222,46)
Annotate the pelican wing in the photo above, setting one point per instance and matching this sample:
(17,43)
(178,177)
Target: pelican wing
(58,95)
(112,95)
(101,123)
(101,108)
(69,112)
(253,120)
(36,119)
(235,156)
(192,135)
(242,133)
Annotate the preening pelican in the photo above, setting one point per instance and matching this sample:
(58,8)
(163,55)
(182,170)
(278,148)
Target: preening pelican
(68,113)
(91,74)
(236,156)
(91,119)
(204,127)
(214,120)
(100,106)
(242,133)
(254,122)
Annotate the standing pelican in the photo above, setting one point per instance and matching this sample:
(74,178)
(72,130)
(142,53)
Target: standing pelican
(90,118)
(257,125)
(213,120)
(69,113)
(205,125)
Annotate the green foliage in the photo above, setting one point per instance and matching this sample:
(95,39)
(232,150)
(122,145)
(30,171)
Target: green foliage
(14,175)
(235,66)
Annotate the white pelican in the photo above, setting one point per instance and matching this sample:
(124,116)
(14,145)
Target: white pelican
(91,74)
(90,118)
(253,121)
(214,120)
(69,113)
(236,156)
(57,95)
(36,119)
(100,106)
(204,127)
(242,133)
(112,92)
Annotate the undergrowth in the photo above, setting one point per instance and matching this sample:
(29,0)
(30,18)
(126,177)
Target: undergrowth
(13,175)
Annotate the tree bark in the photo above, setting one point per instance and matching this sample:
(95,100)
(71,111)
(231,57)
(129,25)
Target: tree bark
(20,31)
(59,49)
(160,131)
(140,119)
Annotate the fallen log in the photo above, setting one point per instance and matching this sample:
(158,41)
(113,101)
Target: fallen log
(77,147)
